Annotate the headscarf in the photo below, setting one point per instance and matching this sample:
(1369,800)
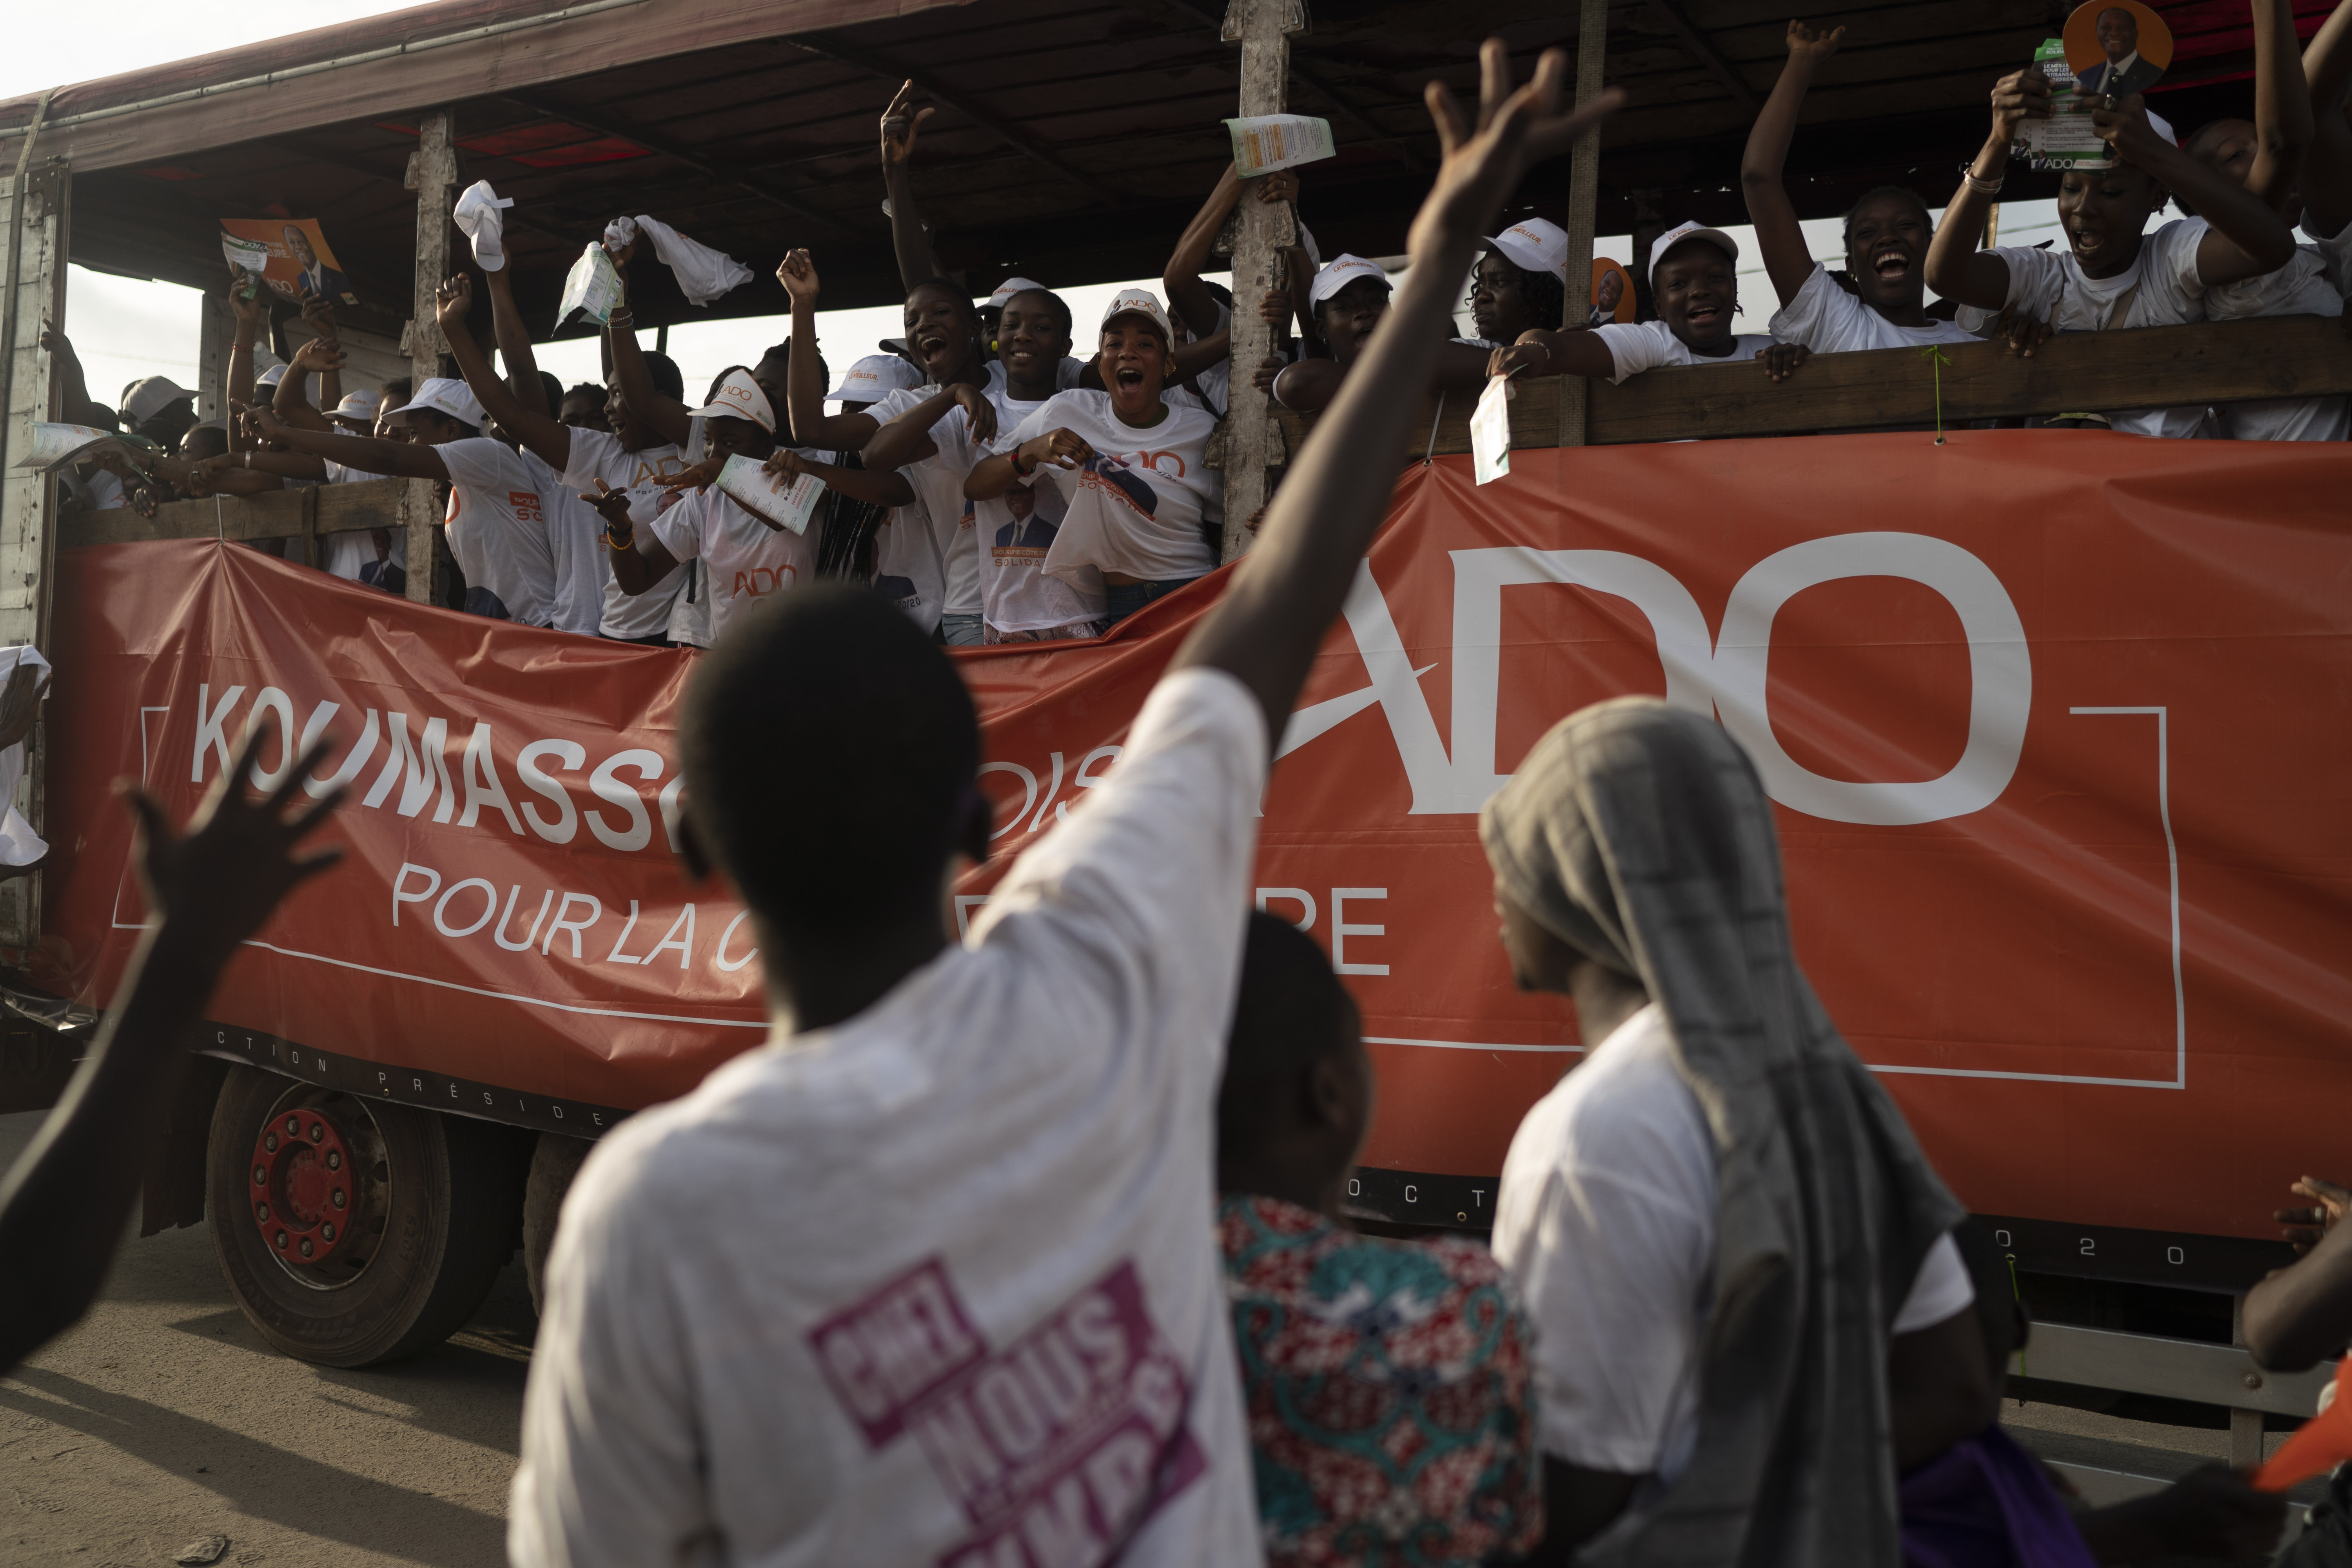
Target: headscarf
(1640,834)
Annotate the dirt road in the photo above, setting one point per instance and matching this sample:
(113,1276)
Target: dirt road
(163,1418)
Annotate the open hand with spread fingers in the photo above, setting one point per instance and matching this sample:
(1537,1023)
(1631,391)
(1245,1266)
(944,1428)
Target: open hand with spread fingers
(1484,155)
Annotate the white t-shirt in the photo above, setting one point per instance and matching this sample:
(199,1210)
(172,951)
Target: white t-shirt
(1606,1221)
(1827,319)
(101,491)
(974,1290)
(743,560)
(2301,288)
(594,603)
(907,564)
(349,555)
(938,487)
(2161,288)
(498,526)
(2336,251)
(1013,532)
(1144,507)
(1637,346)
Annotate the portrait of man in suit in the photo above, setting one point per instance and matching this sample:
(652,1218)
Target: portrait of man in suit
(2122,72)
(316,277)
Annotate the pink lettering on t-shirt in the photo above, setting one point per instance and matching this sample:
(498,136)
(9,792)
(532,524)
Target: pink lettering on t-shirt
(1055,1448)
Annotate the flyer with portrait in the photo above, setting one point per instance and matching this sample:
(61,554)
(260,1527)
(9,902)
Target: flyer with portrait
(290,255)
(2067,138)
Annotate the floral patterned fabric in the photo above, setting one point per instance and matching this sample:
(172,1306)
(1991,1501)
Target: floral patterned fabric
(1392,1412)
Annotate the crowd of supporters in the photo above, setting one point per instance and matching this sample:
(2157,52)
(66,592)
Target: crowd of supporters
(1730,1312)
(1004,473)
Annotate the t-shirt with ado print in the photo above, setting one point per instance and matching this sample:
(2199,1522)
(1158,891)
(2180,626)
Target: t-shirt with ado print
(1148,504)
(743,559)
(497,530)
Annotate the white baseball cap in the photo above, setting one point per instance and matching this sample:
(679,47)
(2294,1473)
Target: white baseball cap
(1139,302)
(1009,287)
(1536,245)
(150,397)
(875,376)
(270,377)
(1342,270)
(1694,230)
(359,406)
(738,398)
(446,394)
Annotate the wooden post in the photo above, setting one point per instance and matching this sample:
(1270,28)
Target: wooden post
(432,171)
(1584,198)
(1263,29)
(34,202)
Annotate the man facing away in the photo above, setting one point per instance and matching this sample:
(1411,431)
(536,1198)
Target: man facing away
(932,1277)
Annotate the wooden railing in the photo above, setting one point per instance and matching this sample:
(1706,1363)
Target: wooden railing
(2214,362)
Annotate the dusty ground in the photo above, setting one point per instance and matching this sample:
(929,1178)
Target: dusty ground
(163,1418)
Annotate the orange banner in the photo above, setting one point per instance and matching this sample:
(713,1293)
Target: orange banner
(2053,722)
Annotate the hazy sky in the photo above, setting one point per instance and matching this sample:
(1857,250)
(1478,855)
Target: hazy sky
(125,329)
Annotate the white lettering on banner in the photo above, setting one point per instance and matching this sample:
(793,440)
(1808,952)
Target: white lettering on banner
(570,755)
(616,955)
(499,935)
(1300,896)
(417,769)
(680,937)
(731,965)
(268,698)
(482,785)
(562,924)
(606,786)
(353,760)
(490,907)
(1028,792)
(1728,675)
(211,730)
(400,883)
(1341,931)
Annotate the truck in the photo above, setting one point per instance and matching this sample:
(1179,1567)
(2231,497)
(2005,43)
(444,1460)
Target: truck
(2047,715)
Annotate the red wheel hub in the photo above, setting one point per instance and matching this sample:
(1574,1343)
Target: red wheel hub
(302,1195)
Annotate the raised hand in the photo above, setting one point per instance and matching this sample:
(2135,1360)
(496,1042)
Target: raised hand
(797,273)
(250,312)
(2306,1226)
(701,476)
(1281,186)
(453,302)
(316,356)
(901,122)
(1811,44)
(1483,158)
(318,315)
(261,423)
(2018,97)
(2125,128)
(20,703)
(613,506)
(1063,449)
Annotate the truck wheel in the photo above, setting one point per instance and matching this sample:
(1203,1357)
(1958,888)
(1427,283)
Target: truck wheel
(553,1163)
(353,1231)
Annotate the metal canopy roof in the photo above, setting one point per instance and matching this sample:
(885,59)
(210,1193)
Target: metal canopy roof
(1074,137)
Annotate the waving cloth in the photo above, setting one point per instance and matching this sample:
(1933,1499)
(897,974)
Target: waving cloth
(1640,834)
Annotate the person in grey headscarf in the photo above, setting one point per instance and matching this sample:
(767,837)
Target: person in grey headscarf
(1750,1310)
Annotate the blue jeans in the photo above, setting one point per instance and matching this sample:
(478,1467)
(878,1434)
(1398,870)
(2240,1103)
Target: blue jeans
(960,631)
(1121,600)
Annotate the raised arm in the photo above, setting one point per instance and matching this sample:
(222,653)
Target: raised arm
(1787,261)
(2327,172)
(804,383)
(1956,267)
(2301,1315)
(251,316)
(2282,124)
(319,317)
(912,242)
(1270,623)
(2244,239)
(513,339)
(63,1204)
(73,386)
(552,442)
(666,413)
(318,357)
(369,455)
(1547,353)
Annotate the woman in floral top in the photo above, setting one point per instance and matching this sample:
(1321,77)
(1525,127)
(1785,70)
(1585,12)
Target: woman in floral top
(1390,1408)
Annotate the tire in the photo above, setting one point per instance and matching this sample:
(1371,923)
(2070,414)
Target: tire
(407,1216)
(553,1163)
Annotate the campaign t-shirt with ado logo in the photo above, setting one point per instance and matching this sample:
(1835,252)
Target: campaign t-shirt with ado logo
(1146,507)
(497,530)
(743,559)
